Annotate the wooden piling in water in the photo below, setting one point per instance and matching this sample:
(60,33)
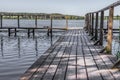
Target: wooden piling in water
(18,21)
(66,22)
(35,21)
(1,20)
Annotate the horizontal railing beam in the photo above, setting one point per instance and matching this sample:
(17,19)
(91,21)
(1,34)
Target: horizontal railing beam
(108,7)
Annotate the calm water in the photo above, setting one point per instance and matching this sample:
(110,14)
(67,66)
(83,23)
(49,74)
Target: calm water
(17,54)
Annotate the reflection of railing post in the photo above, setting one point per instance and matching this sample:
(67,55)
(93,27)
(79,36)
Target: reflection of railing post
(2,46)
(19,46)
(96,27)
(36,47)
(101,27)
(110,30)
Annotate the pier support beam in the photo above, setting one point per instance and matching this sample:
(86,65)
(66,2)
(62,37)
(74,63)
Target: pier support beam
(110,30)
(101,27)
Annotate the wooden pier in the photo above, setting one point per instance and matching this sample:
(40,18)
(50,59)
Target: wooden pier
(73,57)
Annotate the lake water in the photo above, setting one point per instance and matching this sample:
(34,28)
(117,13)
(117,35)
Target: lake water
(17,54)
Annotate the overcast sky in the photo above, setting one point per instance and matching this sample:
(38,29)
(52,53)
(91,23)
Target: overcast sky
(72,7)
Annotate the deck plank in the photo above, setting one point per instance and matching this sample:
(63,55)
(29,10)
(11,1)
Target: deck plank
(53,67)
(61,70)
(90,63)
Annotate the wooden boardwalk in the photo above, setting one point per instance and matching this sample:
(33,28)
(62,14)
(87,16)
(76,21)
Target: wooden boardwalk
(73,57)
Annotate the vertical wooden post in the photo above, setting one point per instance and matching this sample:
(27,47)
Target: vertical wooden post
(18,21)
(35,21)
(92,25)
(87,23)
(110,30)
(96,27)
(66,22)
(1,20)
(51,28)
(101,27)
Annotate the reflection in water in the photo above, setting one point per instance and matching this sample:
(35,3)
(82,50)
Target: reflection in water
(18,53)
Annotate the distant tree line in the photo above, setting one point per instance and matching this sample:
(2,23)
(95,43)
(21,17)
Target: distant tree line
(44,16)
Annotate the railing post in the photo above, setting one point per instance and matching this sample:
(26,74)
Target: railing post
(110,30)
(35,21)
(101,27)
(86,22)
(18,21)
(92,25)
(96,27)
(51,25)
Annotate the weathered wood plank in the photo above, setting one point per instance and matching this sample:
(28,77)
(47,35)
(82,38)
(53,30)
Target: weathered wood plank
(103,69)
(49,75)
(90,63)
(81,69)
(70,71)
(61,70)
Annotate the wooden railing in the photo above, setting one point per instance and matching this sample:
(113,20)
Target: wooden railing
(31,28)
(93,30)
